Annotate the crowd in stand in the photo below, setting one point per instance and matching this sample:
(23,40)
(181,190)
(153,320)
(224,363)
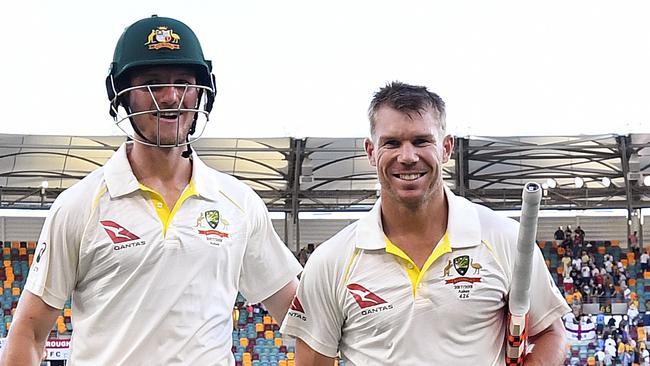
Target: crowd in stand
(622,339)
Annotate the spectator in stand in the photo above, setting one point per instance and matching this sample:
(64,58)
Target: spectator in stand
(559,234)
(576,262)
(586,272)
(600,357)
(304,253)
(579,236)
(302,256)
(633,242)
(567,242)
(645,355)
(598,291)
(646,322)
(643,259)
(566,264)
(568,284)
(600,323)
(640,331)
(633,314)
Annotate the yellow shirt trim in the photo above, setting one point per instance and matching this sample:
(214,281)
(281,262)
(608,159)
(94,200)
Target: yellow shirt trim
(412,270)
(346,274)
(98,196)
(161,207)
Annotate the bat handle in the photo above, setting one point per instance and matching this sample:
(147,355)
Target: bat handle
(516,339)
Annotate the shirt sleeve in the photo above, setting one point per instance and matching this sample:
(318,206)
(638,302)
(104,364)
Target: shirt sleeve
(315,315)
(546,302)
(268,264)
(52,275)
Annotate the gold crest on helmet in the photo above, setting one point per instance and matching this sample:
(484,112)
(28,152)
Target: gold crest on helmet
(163,37)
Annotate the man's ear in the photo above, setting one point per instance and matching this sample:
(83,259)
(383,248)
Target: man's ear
(448,148)
(370,151)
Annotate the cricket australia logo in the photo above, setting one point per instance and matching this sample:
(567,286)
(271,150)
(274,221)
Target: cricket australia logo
(461,264)
(462,284)
(163,37)
(212,217)
(213,227)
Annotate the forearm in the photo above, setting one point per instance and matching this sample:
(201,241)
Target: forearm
(28,333)
(22,349)
(306,356)
(549,349)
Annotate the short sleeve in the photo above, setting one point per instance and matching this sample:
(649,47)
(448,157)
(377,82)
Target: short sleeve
(315,315)
(268,265)
(546,302)
(52,276)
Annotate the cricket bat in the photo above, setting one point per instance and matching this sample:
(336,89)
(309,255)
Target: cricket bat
(519,299)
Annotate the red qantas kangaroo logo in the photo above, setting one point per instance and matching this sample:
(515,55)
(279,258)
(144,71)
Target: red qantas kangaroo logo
(296,305)
(117,233)
(364,297)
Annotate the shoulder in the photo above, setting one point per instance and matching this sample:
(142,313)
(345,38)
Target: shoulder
(80,197)
(234,190)
(492,221)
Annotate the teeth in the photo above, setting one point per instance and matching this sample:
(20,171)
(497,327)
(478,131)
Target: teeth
(168,115)
(412,176)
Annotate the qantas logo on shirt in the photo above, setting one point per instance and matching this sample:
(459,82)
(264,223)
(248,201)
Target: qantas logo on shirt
(368,301)
(117,233)
(364,297)
(296,305)
(296,310)
(121,237)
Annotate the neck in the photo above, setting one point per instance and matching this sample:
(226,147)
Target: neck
(153,165)
(427,220)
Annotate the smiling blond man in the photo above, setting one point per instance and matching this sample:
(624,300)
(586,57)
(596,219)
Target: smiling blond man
(423,279)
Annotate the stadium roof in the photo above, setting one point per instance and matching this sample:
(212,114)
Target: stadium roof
(332,174)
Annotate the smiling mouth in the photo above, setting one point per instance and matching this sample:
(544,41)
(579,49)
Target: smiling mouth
(166,115)
(409,176)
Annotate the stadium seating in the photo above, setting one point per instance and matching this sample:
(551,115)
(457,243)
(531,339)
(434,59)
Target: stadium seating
(16,260)
(256,337)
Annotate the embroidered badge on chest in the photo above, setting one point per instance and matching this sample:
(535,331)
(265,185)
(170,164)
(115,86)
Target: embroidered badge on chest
(459,279)
(213,227)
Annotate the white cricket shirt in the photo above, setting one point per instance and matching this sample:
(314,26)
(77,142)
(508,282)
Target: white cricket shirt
(361,295)
(152,285)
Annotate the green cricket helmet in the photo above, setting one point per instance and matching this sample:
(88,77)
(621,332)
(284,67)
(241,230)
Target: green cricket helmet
(158,41)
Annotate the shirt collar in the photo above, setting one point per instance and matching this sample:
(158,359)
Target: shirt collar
(463,225)
(121,181)
(119,177)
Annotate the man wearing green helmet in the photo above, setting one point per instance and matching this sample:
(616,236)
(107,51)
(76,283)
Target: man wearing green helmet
(154,246)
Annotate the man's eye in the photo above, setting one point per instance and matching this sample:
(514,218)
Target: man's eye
(391,143)
(421,142)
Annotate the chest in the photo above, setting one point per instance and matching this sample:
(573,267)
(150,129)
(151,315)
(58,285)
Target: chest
(379,295)
(126,237)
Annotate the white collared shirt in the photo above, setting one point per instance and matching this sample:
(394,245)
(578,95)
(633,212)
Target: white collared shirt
(357,298)
(150,289)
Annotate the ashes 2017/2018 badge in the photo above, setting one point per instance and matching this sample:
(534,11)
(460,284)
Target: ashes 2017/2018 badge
(462,285)
(213,227)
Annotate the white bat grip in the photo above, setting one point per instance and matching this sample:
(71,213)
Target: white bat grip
(519,301)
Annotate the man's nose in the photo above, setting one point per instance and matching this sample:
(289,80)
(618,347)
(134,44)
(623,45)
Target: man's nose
(407,154)
(170,96)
